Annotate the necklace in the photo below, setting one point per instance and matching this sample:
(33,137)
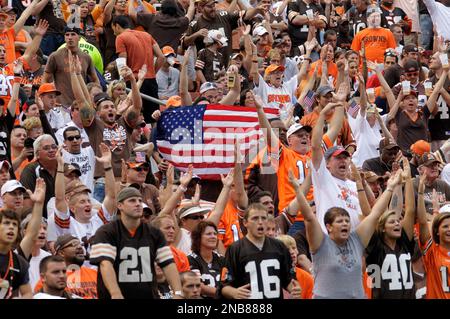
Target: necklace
(10,264)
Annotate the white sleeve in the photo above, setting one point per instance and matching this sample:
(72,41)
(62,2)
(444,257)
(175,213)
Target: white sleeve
(58,224)
(431,6)
(261,89)
(292,85)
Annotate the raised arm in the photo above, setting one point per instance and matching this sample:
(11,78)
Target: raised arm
(223,198)
(431,103)
(12,104)
(160,58)
(176,196)
(366,228)
(270,137)
(75,70)
(186,98)
(239,188)
(363,202)
(425,234)
(60,184)
(336,122)
(314,232)
(409,218)
(190,14)
(235,91)
(362,94)
(132,13)
(107,13)
(135,95)
(31,9)
(39,30)
(396,106)
(110,188)
(387,89)
(38,198)
(385,130)
(294,206)
(316,138)
(309,45)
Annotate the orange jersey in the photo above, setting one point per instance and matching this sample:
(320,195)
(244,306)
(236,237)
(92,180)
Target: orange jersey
(7,39)
(306,282)
(436,261)
(376,42)
(81,282)
(229,228)
(180,259)
(332,70)
(6,86)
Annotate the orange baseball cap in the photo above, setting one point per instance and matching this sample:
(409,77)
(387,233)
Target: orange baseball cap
(173,101)
(272,68)
(48,88)
(168,50)
(420,147)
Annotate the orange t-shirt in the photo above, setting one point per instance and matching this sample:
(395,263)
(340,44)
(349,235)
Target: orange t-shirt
(7,39)
(376,42)
(229,229)
(332,70)
(306,282)
(180,259)
(19,170)
(436,260)
(344,137)
(82,282)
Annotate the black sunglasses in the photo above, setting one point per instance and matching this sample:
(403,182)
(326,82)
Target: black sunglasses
(141,168)
(71,138)
(195,217)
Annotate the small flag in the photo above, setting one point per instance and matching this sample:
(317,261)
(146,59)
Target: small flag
(308,101)
(353,109)
(140,157)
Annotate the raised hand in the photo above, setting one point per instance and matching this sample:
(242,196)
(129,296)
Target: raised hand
(39,191)
(421,187)
(293,180)
(59,156)
(41,27)
(142,72)
(354,171)
(186,57)
(185,178)
(106,154)
(170,173)
(18,66)
(196,197)
(123,105)
(126,73)
(406,168)
(228,180)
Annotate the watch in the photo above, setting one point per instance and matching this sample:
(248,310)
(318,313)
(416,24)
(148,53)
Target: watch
(178,293)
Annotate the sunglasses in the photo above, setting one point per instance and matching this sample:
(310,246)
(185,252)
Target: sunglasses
(49,147)
(73,245)
(141,168)
(195,217)
(72,138)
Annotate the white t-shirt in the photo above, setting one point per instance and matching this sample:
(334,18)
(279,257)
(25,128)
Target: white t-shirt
(43,295)
(330,191)
(440,15)
(281,98)
(86,161)
(63,223)
(56,118)
(33,271)
(185,243)
(60,133)
(367,139)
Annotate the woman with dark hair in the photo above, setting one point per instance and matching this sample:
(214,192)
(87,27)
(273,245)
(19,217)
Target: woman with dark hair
(247,98)
(204,259)
(391,248)
(435,245)
(337,256)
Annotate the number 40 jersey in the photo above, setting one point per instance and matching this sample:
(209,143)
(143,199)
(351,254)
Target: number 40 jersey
(267,270)
(133,257)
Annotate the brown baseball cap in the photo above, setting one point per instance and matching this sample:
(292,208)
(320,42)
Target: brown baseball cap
(70,168)
(388,144)
(371,177)
(76,187)
(428,159)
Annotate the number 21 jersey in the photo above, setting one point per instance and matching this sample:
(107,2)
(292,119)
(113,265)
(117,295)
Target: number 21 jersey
(133,258)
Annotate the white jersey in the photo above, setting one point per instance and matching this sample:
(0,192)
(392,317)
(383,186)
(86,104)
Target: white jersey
(56,118)
(60,134)
(330,191)
(86,161)
(282,98)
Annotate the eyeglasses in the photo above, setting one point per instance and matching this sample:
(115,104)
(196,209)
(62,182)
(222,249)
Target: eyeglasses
(73,244)
(49,147)
(195,217)
(76,137)
(141,168)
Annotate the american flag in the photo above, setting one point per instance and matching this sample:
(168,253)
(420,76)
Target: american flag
(205,136)
(353,109)
(308,101)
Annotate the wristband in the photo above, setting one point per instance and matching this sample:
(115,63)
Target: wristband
(360,190)
(108,168)
(389,190)
(62,172)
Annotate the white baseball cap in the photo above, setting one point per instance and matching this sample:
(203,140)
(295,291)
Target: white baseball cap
(216,35)
(259,31)
(297,126)
(207,86)
(11,186)
(4,162)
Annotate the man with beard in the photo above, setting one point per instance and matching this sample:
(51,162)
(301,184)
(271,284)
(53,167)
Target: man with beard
(81,280)
(382,164)
(54,277)
(429,167)
(58,66)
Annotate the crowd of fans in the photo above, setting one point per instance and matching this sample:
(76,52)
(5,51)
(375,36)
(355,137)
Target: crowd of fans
(347,195)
